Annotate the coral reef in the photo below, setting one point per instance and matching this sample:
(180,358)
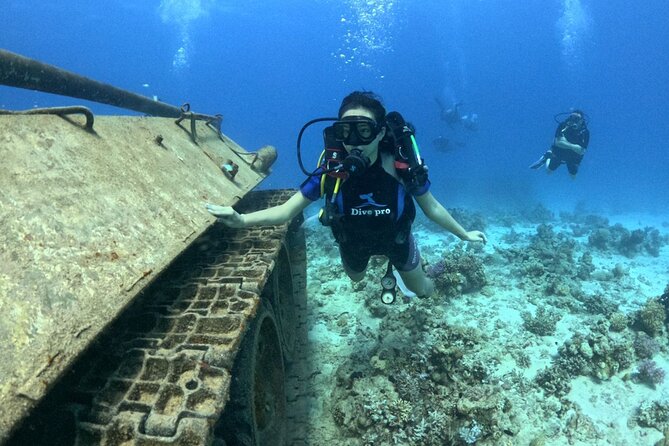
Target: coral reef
(645,347)
(459,271)
(468,219)
(470,434)
(626,242)
(596,304)
(581,224)
(653,414)
(600,353)
(664,300)
(618,321)
(585,266)
(543,323)
(650,318)
(547,263)
(464,371)
(538,214)
(649,373)
(428,387)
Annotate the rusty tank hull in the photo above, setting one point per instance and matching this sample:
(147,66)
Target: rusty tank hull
(126,309)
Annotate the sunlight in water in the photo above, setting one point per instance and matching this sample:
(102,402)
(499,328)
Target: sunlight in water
(367,30)
(574,27)
(182,13)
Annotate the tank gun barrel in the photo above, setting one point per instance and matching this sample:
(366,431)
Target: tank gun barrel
(23,72)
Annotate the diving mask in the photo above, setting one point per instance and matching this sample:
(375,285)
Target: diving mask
(356,130)
(576,120)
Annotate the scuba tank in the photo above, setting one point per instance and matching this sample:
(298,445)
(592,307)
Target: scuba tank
(408,162)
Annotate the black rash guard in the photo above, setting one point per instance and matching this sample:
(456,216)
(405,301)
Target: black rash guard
(376,210)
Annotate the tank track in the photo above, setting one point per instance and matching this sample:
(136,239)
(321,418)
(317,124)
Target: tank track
(298,394)
(161,376)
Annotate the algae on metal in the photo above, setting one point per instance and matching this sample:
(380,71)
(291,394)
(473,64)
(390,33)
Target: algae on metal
(87,220)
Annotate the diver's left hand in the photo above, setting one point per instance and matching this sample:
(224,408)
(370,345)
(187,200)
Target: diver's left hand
(475,236)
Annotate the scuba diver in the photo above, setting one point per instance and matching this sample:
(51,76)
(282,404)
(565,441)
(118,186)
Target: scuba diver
(453,115)
(450,115)
(371,207)
(571,140)
(470,122)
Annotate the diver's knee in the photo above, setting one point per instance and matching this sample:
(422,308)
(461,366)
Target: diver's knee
(427,288)
(355,276)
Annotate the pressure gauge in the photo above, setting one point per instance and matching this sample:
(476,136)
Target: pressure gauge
(388,297)
(388,282)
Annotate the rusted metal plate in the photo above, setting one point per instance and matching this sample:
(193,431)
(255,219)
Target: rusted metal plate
(87,220)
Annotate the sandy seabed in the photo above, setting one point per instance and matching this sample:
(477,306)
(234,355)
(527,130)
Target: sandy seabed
(344,316)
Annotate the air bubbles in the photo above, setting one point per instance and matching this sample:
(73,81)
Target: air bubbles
(368,31)
(182,14)
(574,26)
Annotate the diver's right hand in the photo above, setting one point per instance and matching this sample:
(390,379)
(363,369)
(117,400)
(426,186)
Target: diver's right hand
(226,215)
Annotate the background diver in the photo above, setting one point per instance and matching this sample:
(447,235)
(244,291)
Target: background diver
(571,140)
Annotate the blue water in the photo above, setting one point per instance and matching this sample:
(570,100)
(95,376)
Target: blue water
(269,66)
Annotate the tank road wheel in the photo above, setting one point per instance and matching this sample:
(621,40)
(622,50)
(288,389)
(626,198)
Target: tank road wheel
(256,412)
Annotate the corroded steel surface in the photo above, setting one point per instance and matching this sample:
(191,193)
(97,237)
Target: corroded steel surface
(87,220)
(161,374)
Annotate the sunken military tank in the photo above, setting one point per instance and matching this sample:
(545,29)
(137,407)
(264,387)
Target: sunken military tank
(127,314)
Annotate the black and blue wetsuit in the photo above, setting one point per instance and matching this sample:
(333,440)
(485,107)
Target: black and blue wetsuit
(375,217)
(574,135)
